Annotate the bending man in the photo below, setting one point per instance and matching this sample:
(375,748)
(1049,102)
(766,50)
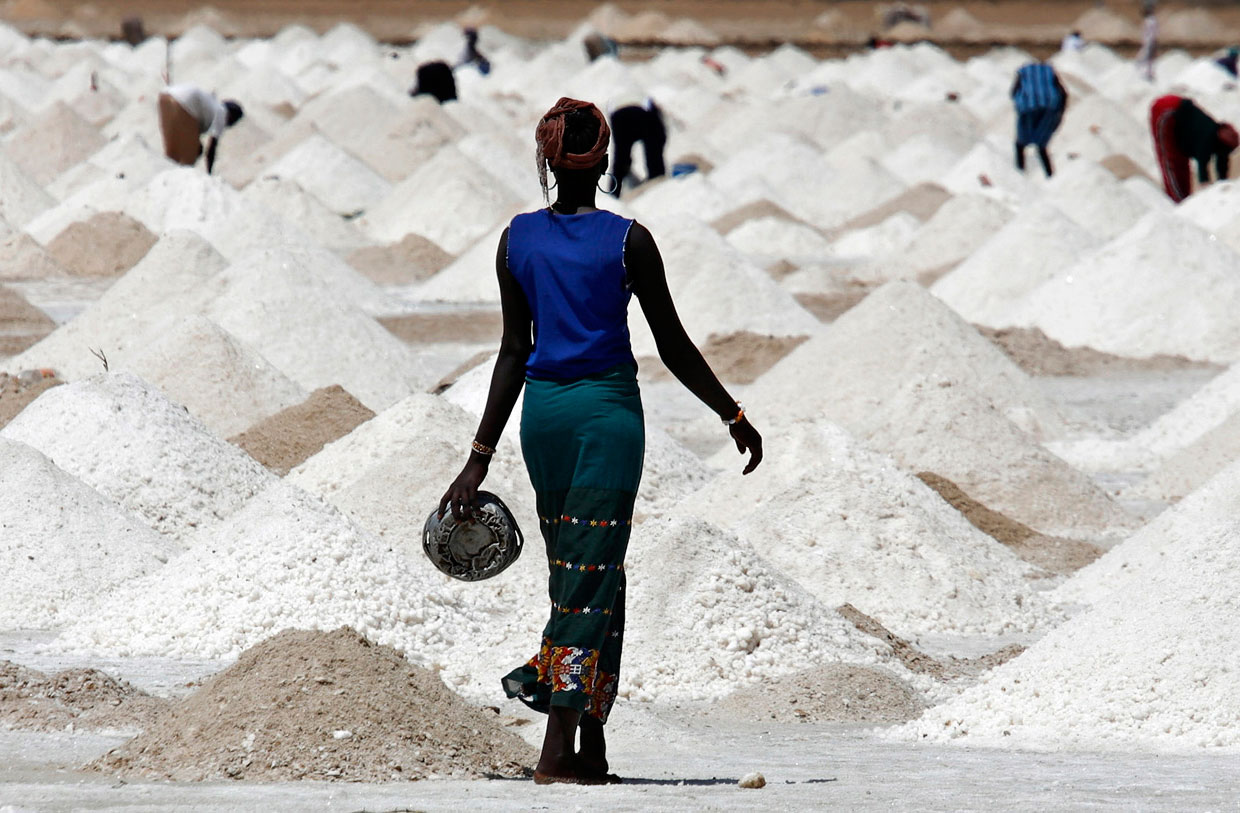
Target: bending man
(1040,100)
(188,111)
(1182,130)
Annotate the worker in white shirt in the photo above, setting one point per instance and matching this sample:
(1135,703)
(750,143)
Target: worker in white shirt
(186,112)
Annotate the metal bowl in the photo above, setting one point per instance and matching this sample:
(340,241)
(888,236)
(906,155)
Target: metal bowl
(476,548)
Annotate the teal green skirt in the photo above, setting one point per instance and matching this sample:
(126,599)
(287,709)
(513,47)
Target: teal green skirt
(583,442)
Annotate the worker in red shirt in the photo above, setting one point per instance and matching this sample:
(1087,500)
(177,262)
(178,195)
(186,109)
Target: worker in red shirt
(1182,130)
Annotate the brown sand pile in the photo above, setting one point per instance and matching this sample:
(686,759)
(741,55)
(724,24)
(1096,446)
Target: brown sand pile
(838,692)
(413,259)
(108,244)
(478,325)
(321,705)
(921,201)
(1051,553)
(22,258)
(1123,167)
(829,307)
(738,358)
(16,393)
(77,698)
(1038,354)
(753,211)
(289,437)
(21,324)
(917,661)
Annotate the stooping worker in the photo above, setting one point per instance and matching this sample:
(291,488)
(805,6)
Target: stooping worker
(1040,100)
(186,112)
(1181,131)
(633,122)
(435,79)
(566,274)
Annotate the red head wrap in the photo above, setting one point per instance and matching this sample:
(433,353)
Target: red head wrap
(550,138)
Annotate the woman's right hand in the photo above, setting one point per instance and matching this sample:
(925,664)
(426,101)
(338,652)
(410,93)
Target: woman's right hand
(463,493)
(747,439)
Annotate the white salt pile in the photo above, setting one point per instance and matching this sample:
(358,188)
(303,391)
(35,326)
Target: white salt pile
(1164,286)
(63,542)
(896,333)
(700,266)
(856,529)
(302,321)
(988,286)
(341,182)
(707,613)
(1148,668)
(469,203)
(166,282)
(1156,547)
(122,437)
(952,234)
(228,386)
(285,560)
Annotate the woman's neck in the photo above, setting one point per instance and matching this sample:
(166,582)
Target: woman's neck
(573,199)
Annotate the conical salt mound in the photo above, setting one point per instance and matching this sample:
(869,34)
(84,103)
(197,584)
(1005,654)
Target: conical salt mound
(343,183)
(1164,286)
(1144,555)
(858,530)
(870,352)
(21,324)
(168,281)
(21,199)
(121,436)
(63,542)
(716,616)
(1151,667)
(1032,248)
(954,231)
(220,380)
(462,186)
(322,705)
(51,142)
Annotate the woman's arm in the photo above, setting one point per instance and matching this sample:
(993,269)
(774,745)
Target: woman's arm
(676,349)
(506,382)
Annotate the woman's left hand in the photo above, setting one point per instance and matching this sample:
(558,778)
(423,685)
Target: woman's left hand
(747,439)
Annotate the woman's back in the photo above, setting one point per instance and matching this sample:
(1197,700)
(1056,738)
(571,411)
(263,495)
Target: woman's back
(571,268)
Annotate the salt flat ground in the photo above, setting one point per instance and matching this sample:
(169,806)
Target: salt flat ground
(694,766)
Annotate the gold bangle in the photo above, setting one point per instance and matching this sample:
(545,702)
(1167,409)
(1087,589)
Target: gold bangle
(740,413)
(481,449)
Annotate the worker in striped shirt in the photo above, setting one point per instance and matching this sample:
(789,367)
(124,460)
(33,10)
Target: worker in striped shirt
(1040,100)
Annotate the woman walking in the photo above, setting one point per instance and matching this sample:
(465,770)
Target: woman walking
(566,274)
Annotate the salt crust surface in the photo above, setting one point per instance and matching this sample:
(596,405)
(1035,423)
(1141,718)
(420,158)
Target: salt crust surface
(857,529)
(1164,286)
(63,542)
(121,436)
(1146,669)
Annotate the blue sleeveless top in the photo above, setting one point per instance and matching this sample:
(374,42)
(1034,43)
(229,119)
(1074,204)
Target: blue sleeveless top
(571,268)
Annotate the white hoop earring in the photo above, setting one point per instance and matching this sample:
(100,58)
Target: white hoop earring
(615,183)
